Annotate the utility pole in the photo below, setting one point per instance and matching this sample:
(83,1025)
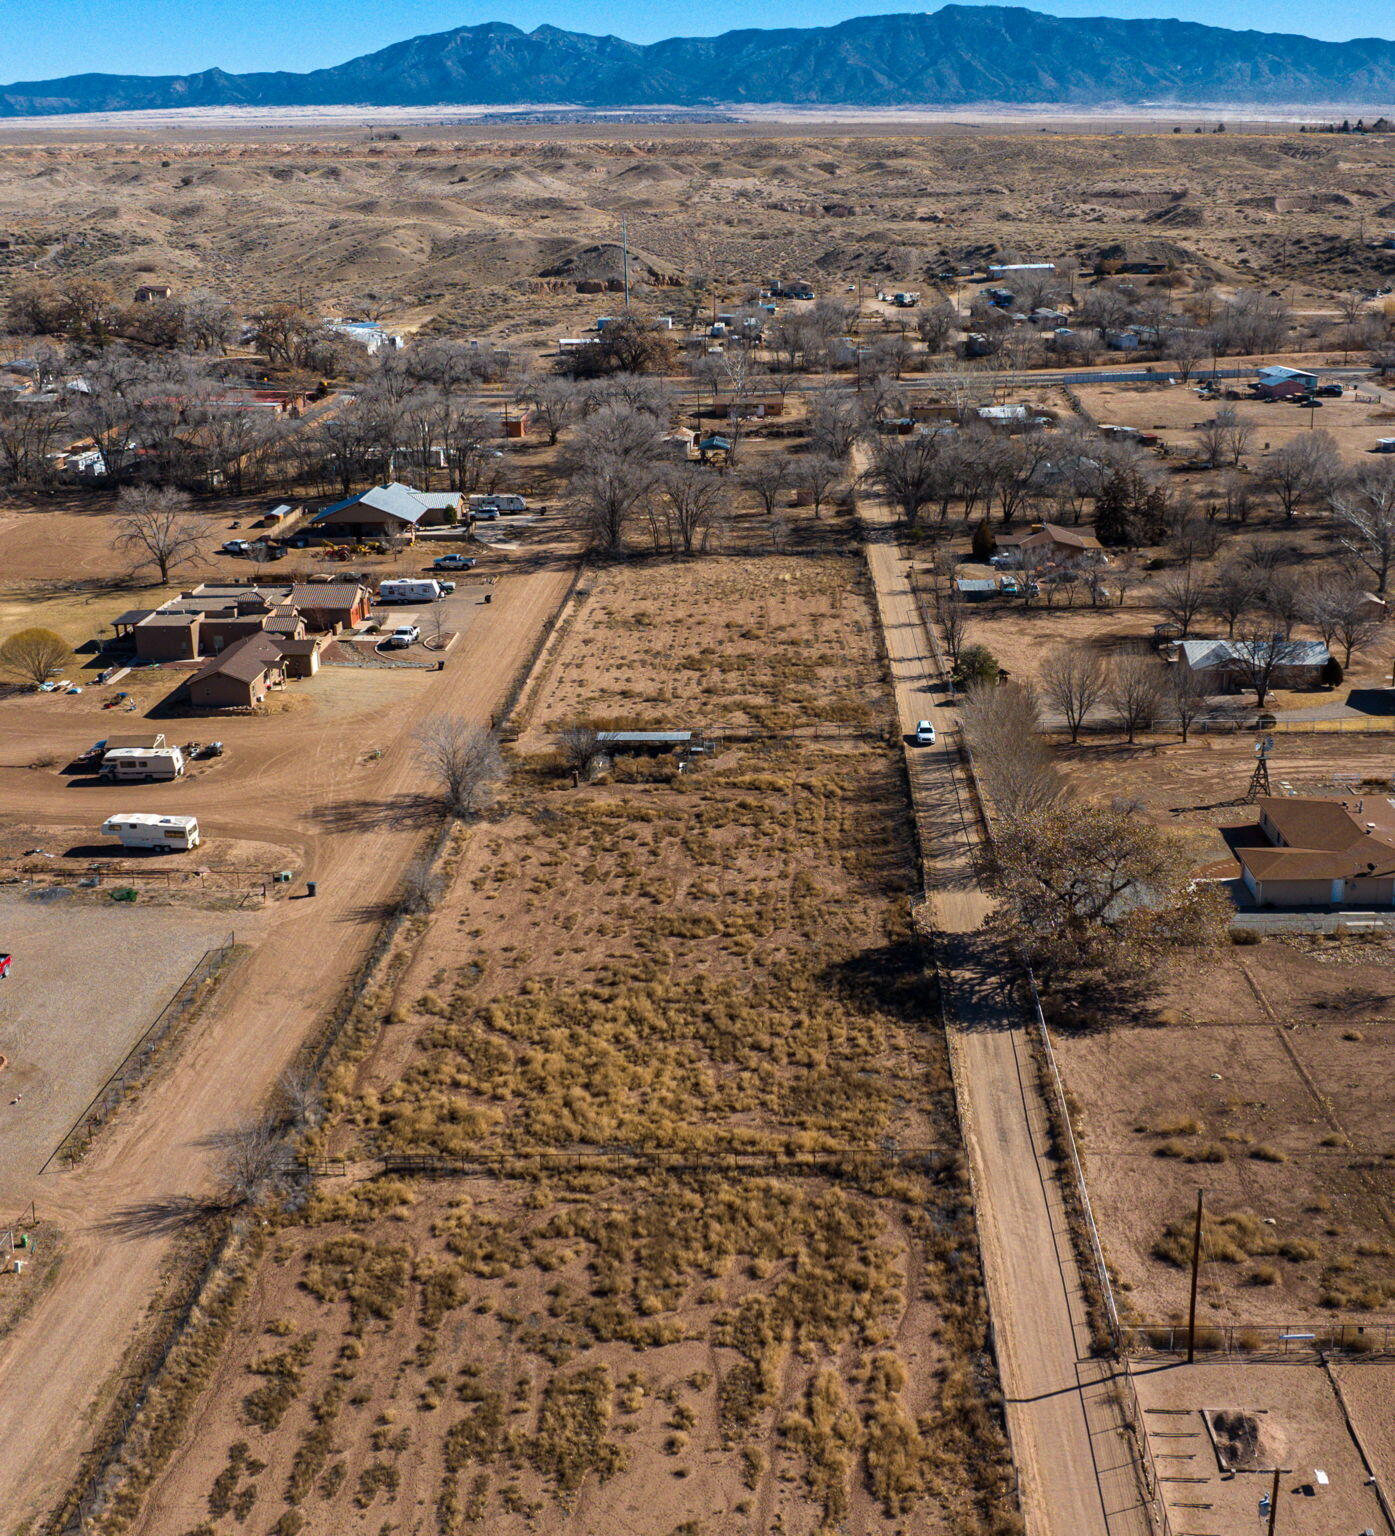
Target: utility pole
(1196,1271)
(625,248)
(1273,1503)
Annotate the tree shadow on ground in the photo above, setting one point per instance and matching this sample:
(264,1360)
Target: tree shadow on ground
(163,1217)
(406,812)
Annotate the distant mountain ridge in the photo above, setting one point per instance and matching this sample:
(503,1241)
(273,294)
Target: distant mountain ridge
(960,55)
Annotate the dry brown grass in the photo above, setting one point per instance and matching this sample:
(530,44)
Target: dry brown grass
(678,967)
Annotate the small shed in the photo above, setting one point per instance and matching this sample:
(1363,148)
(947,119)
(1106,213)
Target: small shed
(649,743)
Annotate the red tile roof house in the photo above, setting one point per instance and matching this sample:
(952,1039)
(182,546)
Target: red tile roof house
(1322,853)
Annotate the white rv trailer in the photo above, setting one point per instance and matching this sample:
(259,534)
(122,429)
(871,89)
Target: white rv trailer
(143,763)
(408,590)
(143,829)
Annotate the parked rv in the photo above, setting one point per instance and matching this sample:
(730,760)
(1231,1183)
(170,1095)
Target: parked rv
(142,829)
(410,590)
(497,501)
(143,763)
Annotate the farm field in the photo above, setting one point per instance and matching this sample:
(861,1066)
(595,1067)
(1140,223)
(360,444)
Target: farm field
(630,977)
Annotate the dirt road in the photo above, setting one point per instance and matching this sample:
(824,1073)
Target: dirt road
(1074,1463)
(357,827)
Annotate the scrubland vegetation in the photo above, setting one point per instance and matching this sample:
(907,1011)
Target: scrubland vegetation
(628,984)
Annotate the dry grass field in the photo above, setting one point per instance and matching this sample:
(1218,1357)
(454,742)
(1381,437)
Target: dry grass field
(671,966)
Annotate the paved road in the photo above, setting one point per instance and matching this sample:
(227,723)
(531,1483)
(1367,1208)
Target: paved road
(1074,1463)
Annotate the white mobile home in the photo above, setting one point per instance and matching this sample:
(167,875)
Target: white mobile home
(142,829)
(143,763)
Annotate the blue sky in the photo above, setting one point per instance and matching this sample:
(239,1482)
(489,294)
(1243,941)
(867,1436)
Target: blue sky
(46,38)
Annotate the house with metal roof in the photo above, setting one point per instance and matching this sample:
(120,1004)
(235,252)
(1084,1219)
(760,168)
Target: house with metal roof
(1228,666)
(386,510)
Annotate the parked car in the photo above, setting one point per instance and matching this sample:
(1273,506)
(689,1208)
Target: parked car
(486,515)
(1008,586)
(403,636)
(453,563)
(924,734)
(236,547)
(1330,391)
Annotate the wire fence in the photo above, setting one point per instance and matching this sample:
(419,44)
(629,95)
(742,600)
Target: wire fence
(1260,1341)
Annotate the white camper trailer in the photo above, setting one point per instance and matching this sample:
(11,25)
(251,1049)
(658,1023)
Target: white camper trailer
(407,590)
(142,829)
(143,763)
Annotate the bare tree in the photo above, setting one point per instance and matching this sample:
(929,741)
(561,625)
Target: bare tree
(1074,681)
(692,507)
(906,471)
(1134,691)
(555,402)
(1303,467)
(609,494)
(155,525)
(1343,613)
(421,886)
(464,760)
(578,746)
(949,614)
(816,475)
(834,425)
(768,479)
(1284,597)
(1181,598)
(1011,759)
(1365,514)
(1260,652)
(1234,593)
(33,655)
(1225,438)
(255,1160)
(1186,696)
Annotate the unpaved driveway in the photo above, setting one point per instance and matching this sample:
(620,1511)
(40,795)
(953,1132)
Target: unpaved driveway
(356,827)
(1073,1462)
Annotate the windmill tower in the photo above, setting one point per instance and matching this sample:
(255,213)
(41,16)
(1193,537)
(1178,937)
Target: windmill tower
(1259,779)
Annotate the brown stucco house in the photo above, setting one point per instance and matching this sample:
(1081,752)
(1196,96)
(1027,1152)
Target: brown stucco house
(240,676)
(1322,853)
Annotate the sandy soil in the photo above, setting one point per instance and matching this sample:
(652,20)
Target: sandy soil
(297,781)
(86,983)
(1227,1107)
(447,222)
(725,880)
(1299,1418)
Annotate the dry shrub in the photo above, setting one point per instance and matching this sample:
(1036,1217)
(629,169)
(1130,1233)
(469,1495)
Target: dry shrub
(827,1433)
(570,1441)
(371,1277)
(266,1407)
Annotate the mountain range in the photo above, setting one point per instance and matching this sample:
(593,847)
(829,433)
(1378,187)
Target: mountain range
(957,56)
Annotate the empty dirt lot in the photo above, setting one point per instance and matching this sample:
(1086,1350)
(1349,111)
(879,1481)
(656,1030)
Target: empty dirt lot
(1299,1427)
(89,978)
